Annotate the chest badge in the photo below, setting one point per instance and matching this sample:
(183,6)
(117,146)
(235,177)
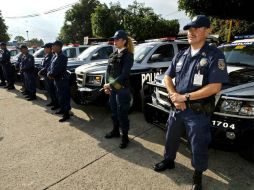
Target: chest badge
(203,62)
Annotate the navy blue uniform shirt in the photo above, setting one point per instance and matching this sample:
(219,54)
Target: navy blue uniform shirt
(58,66)
(5,57)
(27,63)
(192,73)
(119,67)
(46,63)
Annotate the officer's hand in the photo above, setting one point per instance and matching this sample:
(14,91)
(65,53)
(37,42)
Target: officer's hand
(106,86)
(177,98)
(180,106)
(107,91)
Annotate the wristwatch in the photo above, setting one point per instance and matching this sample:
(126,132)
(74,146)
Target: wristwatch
(187,96)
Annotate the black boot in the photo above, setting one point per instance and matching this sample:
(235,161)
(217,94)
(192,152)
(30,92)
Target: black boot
(24,92)
(7,86)
(163,165)
(31,97)
(59,112)
(125,141)
(11,88)
(2,84)
(50,104)
(114,133)
(55,107)
(66,116)
(197,180)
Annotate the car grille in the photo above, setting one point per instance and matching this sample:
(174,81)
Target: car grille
(80,79)
(162,97)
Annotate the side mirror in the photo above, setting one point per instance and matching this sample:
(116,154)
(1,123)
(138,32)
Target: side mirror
(155,58)
(95,56)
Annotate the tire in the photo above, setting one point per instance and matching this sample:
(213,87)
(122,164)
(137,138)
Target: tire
(74,90)
(146,97)
(246,148)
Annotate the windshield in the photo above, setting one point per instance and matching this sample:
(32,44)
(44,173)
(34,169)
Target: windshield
(85,54)
(39,53)
(141,51)
(241,55)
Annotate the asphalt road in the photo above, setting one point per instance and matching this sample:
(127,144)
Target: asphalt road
(37,153)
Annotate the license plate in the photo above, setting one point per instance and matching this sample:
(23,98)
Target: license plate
(223,124)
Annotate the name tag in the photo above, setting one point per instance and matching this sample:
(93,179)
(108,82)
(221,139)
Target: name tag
(198,79)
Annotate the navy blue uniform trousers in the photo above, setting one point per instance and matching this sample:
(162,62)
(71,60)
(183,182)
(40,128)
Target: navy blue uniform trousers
(50,87)
(119,101)
(30,82)
(63,92)
(197,126)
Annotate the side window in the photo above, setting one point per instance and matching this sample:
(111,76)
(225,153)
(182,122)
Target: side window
(182,46)
(103,53)
(40,55)
(70,53)
(162,54)
(81,49)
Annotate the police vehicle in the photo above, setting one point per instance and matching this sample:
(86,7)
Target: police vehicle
(150,59)
(233,118)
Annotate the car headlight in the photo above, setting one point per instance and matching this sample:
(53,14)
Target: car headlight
(231,106)
(247,109)
(237,107)
(94,80)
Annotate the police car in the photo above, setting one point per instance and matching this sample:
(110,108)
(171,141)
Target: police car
(150,59)
(233,118)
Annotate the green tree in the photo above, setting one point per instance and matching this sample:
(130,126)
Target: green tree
(229,9)
(77,22)
(239,27)
(35,42)
(3,30)
(105,20)
(20,39)
(142,23)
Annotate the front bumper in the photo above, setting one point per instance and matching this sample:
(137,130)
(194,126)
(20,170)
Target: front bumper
(229,132)
(89,94)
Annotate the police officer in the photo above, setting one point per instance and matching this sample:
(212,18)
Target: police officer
(117,86)
(49,83)
(2,78)
(58,72)
(199,73)
(7,68)
(28,70)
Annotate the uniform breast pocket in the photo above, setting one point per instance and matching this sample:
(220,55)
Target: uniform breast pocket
(179,66)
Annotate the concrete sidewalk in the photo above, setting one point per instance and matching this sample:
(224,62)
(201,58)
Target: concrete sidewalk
(38,152)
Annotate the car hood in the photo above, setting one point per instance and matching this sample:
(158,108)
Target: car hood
(100,67)
(242,76)
(91,66)
(244,90)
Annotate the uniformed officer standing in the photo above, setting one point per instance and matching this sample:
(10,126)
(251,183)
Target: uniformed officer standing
(58,72)
(27,67)
(49,83)
(7,68)
(199,73)
(117,86)
(2,78)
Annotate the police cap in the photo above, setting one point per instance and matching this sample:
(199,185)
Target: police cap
(2,44)
(120,34)
(23,47)
(198,22)
(47,45)
(58,43)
